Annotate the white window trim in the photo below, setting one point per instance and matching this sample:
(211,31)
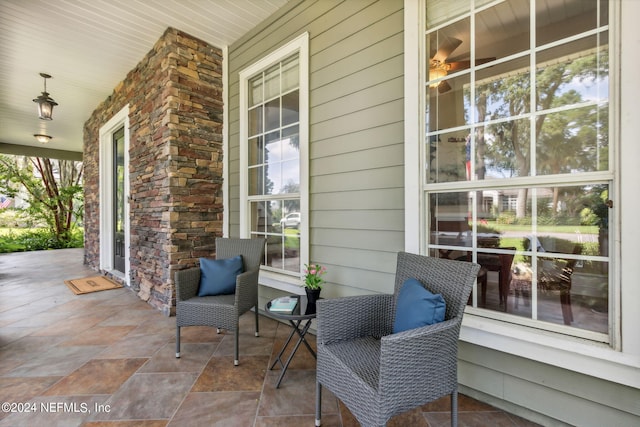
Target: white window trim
(413,124)
(621,364)
(225,142)
(300,44)
(120,119)
(628,267)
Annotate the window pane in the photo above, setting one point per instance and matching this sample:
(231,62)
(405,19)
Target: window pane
(558,19)
(573,73)
(292,249)
(439,11)
(290,177)
(272,115)
(273,172)
(290,108)
(449,223)
(275,251)
(274,215)
(255,121)
(272,82)
(255,91)
(256,181)
(283,236)
(573,292)
(502,30)
(503,150)
(571,141)
(494,278)
(447,161)
(444,44)
(503,91)
(291,206)
(454,38)
(448,104)
(256,151)
(258,217)
(273,147)
(291,143)
(290,73)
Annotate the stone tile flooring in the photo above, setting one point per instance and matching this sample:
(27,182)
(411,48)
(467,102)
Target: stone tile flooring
(108,359)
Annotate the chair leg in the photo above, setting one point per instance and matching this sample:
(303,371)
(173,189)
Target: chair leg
(236,333)
(257,321)
(454,408)
(177,341)
(318,403)
(565,302)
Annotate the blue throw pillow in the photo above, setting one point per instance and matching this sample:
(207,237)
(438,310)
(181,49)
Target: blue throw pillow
(218,276)
(417,307)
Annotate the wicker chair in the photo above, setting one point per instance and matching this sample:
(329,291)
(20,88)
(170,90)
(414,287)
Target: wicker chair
(378,374)
(221,311)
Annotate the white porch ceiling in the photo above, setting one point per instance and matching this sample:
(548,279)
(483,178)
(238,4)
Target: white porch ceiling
(88,47)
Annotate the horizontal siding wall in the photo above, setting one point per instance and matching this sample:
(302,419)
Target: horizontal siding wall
(543,393)
(356,135)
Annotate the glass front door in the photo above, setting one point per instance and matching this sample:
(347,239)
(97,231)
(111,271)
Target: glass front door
(118,201)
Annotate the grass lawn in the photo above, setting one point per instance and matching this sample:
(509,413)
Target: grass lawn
(581,229)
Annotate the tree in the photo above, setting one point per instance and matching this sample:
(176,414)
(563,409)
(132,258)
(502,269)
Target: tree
(566,141)
(53,189)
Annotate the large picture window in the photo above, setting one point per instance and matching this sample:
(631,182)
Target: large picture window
(517,173)
(274,156)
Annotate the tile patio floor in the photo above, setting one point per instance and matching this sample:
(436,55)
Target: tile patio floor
(108,359)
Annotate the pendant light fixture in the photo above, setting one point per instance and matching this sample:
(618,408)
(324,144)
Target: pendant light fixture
(42,138)
(45,103)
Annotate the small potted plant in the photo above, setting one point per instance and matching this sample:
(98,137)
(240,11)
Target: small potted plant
(313,281)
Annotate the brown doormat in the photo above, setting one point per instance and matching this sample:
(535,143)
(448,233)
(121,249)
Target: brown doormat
(87,285)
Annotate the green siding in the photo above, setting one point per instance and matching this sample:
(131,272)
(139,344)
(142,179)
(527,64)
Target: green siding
(356,173)
(512,382)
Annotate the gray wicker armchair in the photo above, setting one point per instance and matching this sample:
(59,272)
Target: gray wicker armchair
(378,374)
(220,311)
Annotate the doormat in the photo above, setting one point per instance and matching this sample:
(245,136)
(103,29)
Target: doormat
(87,285)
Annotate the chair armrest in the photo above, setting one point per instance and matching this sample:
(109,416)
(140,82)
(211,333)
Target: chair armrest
(428,354)
(353,317)
(187,283)
(247,289)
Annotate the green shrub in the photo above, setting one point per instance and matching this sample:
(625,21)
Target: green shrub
(506,218)
(37,239)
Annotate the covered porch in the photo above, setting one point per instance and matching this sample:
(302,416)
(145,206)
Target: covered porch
(107,358)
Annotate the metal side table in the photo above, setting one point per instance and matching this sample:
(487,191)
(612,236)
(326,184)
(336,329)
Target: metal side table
(303,312)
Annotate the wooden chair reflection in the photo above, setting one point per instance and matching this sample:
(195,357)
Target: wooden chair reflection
(558,279)
(500,263)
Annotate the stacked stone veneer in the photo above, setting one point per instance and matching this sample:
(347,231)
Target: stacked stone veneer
(175,163)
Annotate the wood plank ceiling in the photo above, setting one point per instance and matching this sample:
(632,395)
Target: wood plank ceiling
(88,46)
